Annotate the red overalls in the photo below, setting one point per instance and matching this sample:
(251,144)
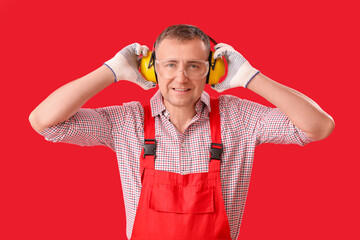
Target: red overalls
(175,206)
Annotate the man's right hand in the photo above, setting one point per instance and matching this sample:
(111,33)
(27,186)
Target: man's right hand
(125,65)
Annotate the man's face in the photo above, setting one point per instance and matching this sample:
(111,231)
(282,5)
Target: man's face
(180,91)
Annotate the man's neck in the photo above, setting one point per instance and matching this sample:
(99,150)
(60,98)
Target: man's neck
(180,117)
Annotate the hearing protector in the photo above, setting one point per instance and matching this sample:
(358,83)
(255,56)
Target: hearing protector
(216,67)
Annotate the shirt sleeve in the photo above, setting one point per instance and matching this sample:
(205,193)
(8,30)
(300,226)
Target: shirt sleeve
(266,124)
(88,127)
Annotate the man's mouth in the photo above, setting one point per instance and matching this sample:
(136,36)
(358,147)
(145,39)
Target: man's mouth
(181,89)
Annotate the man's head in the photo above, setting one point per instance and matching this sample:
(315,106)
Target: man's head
(183,48)
(183,32)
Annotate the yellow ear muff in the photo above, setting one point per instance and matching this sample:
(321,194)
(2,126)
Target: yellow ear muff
(217,69)
(148,73)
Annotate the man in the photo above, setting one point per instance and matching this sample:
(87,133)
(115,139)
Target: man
(176,191)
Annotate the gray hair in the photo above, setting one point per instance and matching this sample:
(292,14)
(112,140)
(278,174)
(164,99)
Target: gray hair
(183,32)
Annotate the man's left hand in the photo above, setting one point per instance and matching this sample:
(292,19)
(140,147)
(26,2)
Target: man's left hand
(240,72)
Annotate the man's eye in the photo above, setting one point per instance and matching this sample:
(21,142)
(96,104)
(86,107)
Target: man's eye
(194,66)
(170,65)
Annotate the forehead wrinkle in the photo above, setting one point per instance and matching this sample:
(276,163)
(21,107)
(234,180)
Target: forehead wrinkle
(177,60)
(176,48)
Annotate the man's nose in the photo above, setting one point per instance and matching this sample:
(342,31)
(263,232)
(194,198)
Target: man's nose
(181,77)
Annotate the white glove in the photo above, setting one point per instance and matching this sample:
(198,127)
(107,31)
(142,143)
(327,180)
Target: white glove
(125,65)
(240,72)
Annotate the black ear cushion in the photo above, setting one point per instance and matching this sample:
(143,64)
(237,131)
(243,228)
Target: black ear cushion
(208,75)
(156,78)
(152,63)
(152,60)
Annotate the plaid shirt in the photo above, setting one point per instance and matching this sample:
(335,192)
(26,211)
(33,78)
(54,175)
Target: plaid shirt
(244,125)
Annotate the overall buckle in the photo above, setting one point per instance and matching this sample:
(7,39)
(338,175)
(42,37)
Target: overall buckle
(149,147)
(216,150)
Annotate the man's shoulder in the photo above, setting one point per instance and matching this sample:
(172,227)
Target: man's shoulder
(228,97)
(122,112)
(228,101)
(235,101)
(133,104)
(233,105)
(127,106)
(133,108)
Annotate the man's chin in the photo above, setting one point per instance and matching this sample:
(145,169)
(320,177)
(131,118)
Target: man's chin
(179,103)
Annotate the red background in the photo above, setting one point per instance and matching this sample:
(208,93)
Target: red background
(63,191)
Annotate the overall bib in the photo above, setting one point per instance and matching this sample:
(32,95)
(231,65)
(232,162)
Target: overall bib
(181,207)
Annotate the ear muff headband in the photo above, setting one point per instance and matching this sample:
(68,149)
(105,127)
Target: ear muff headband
(216,67)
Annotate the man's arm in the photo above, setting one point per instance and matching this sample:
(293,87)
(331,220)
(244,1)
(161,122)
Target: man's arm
(303,112)
(68,99)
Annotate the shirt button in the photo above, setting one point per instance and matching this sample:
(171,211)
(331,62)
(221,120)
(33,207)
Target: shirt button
(183,145)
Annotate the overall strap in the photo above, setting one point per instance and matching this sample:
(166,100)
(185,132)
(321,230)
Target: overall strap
(216,147)
(148,153)
(149,123)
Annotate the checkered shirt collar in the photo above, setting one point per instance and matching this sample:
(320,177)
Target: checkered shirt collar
(157,104)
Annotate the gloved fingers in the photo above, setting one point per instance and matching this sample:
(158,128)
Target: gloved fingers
(144,50)
(140,49)
(137,48)
(144,83)
(222,49)
(219,45)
